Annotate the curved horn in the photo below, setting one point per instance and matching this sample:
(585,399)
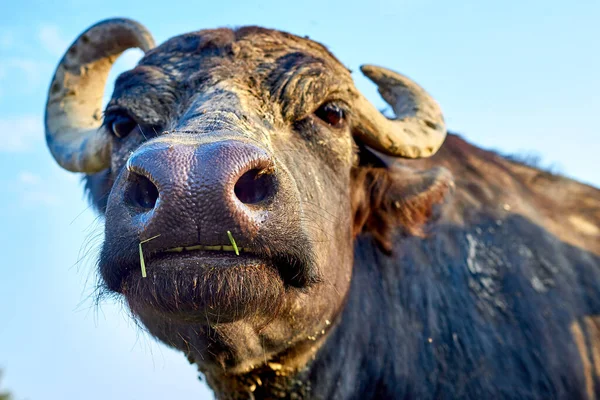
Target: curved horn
(417,131)
(73,109)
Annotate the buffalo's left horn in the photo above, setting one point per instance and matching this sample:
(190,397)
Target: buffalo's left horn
(417,131)
(73,109)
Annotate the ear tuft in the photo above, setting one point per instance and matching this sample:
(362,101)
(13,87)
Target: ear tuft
(386,199)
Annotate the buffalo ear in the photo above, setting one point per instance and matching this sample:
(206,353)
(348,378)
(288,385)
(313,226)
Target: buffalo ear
(385,200)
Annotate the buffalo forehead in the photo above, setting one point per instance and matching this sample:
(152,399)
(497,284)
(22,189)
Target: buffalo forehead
(266,64)
(249,43)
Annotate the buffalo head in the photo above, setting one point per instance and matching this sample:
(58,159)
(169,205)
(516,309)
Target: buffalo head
(252,131)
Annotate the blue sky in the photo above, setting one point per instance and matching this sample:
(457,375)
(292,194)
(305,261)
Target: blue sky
(515,76)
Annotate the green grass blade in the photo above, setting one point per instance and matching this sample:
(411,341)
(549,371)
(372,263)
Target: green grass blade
(147,240)
(142,262)
(232,240)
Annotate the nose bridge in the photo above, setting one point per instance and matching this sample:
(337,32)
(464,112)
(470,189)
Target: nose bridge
(181,155)
(225,112)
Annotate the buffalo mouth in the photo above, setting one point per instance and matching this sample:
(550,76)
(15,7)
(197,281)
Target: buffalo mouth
(211,283)
(199,247)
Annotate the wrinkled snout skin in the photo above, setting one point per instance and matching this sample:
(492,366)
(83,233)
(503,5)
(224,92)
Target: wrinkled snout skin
(211,107)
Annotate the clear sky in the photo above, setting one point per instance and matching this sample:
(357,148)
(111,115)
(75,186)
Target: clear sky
(518,76)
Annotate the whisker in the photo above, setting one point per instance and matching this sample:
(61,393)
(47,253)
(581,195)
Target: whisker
(142,131)
(88,207)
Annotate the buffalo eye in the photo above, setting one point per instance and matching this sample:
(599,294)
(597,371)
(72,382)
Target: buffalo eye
(332,114)
(122,125)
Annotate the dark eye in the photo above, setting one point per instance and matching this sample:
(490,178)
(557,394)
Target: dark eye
(332,114)
(122,125)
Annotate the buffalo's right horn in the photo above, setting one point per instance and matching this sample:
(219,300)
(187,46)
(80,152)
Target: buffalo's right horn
(73,109)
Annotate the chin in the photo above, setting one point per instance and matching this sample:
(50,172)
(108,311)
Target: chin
(225,311)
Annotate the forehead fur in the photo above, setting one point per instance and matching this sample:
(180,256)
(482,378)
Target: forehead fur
(273,67)
(244,43)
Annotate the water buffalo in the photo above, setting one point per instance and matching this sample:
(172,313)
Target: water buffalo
(265,219)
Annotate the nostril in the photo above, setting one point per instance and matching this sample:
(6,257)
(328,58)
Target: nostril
(254,186)
(142,192)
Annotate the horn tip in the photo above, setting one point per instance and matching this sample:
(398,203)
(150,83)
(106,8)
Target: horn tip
(381,76)
(369,70)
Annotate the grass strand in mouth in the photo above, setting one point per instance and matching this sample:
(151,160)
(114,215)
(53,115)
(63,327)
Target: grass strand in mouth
(142,263)
(232,240)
